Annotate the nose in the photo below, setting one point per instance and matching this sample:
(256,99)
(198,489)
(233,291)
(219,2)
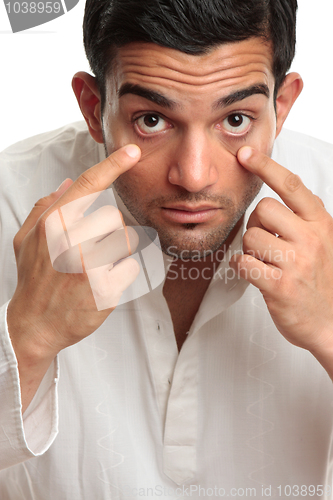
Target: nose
(194,162)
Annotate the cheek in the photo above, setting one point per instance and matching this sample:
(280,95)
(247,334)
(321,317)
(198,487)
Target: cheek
(116,135)
(152,171)
(264,140)
(144,179)
(248,185)
(245,188)
(236,181)
(264,132)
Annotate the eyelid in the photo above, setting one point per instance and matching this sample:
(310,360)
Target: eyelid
(140,114)
(251,112)
(236,134)
(243,112)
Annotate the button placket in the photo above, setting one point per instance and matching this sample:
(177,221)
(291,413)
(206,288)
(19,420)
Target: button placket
(162,352)
(180,434)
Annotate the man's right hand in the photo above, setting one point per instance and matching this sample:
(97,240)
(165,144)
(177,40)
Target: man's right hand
(51,310)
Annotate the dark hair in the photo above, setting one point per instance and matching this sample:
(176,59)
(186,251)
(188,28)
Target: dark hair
(191,26)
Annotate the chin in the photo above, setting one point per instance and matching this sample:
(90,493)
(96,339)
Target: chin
(192,242)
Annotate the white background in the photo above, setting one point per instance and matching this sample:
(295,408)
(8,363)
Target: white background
(37,66)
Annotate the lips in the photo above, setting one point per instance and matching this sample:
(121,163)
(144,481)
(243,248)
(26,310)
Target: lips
(188,208)
(185,214)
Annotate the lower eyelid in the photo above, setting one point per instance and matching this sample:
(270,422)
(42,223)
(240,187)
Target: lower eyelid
(232,136)
(145,136)
(229,132)
(166,126)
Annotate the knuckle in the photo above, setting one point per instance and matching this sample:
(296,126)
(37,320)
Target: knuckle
(40,226)
(292,182)
(263,162)
(328,224)
(265,205)
(273,305)
(284,289)
(110,216)
(325,221)
(17,241)
(320,201)
(88,182)
(108,211)
(246,239)
(114,161)
(251,235)
(249,241)
(46,201)
(43,202)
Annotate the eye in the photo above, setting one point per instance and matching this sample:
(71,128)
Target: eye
(236,123)
(151,124)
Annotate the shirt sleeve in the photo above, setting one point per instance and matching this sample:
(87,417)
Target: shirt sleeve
(31,435)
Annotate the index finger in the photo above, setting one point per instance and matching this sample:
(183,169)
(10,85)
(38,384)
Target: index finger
(287,185)
(96,179)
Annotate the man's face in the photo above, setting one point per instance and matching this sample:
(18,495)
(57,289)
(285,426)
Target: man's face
(190,115)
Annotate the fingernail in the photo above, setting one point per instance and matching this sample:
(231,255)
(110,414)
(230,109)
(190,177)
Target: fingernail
(132,151)
(245,153)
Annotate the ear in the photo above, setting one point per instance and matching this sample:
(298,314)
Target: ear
(88,96)
(287,94)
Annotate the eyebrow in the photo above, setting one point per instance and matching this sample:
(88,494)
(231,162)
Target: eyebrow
(165,102)
(242,94)
(151,95)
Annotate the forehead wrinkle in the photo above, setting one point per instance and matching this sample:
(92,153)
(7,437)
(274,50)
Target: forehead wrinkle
(181,77)
(197,64)
(212,77)
(234,84)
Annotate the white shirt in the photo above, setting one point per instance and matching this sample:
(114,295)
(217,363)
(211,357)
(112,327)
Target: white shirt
(239,412)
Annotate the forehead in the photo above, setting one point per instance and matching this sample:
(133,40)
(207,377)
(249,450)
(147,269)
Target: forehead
(223,69)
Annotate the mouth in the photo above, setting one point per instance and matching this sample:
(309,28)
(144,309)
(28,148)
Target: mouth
(187,214)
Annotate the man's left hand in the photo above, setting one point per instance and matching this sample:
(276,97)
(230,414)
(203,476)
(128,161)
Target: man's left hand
(288,255)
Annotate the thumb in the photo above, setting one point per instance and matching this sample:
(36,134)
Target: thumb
(39,208)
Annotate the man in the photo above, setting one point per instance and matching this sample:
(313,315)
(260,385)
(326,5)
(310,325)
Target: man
(190,389)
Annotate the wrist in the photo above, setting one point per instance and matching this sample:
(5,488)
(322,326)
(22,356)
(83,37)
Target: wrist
(323,352)
(29,346)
